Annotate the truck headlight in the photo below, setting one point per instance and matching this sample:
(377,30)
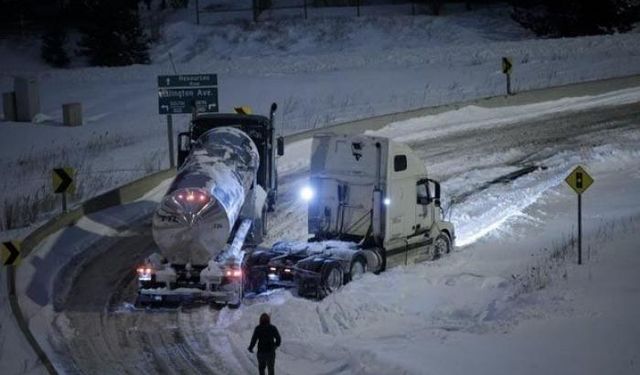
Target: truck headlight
(307,193)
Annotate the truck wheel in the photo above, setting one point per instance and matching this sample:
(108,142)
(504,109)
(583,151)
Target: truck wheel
(357,269)
(240,291)
(442,245)
(332,277)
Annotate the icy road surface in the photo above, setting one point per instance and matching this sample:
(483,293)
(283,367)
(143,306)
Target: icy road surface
(405,320)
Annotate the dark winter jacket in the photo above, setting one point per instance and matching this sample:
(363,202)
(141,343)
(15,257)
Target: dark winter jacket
(267,336)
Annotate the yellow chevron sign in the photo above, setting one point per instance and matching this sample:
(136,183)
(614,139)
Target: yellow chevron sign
(62,179)
(11,253)
(507,65)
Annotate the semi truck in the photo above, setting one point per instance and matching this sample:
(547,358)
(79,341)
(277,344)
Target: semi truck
(371,206)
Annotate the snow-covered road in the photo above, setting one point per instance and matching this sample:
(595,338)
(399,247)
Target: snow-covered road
(382,323)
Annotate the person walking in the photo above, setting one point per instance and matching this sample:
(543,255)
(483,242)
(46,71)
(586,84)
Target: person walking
(268,338)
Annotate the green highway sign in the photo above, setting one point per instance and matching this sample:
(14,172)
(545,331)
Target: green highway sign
(188,80)
(181,93)
(173,101)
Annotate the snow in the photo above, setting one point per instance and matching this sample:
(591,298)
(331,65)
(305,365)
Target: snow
(467,118)
(511,298)
(16,355)
(432,127)
(39,276)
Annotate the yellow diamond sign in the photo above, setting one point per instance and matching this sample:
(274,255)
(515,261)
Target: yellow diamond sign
(579,180)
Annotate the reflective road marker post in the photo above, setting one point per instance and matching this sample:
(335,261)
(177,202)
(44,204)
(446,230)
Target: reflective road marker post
(63,183)
(11,253)
(579,180)
(507,67)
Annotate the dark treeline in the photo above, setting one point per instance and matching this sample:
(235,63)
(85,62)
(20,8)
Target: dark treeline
(568,18)
(111,33)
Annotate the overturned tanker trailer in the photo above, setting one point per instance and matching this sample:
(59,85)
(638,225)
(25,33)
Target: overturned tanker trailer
(214,210)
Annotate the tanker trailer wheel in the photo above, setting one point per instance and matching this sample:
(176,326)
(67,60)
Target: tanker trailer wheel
(331,277)
(442,245)
(357,269)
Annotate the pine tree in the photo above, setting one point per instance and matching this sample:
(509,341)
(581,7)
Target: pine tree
(53,46)
(113,35)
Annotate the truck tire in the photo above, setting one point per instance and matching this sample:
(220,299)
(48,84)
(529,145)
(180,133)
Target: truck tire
(255,269)
(442,245)
(240,293)
(357,269)
(331,277)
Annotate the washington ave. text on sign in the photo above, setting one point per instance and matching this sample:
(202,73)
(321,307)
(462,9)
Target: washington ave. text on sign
(181,93)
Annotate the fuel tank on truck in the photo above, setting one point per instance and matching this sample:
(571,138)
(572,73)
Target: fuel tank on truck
(198,212)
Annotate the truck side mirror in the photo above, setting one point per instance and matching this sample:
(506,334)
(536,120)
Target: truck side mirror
(436,192)
(436,195)
(280,145)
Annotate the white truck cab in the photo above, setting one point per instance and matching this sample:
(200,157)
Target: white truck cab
(376,192)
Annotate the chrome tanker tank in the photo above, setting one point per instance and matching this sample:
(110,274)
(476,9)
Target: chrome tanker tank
(198,212)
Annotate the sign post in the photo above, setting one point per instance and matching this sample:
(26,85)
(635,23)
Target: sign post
(507,66)
(579,180)
(183,94)
(63,183)
(172,162)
